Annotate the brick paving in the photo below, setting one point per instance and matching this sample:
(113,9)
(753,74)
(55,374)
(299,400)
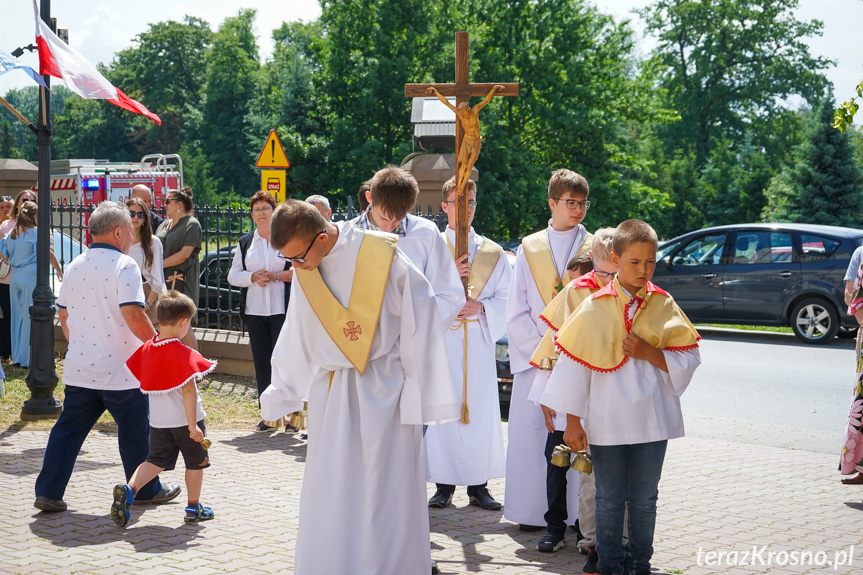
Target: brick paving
(714,496)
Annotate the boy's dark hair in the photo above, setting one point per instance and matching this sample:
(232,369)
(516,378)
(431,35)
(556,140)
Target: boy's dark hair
(581,264)
(295,219)
(563,181)
(632,232)
(449,186)
(361,195)
(174,306)
(394,191)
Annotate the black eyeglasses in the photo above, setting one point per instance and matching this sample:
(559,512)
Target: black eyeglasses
(139,215)
(575,204)
(302,258)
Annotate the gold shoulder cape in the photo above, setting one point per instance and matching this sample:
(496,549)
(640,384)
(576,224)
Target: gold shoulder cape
(538,255)
(556,313)
(353,329)
(482,267)
(594,334)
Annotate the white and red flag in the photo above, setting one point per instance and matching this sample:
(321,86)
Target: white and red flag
(58,59)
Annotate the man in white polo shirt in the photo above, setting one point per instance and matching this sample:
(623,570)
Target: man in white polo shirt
(101,305)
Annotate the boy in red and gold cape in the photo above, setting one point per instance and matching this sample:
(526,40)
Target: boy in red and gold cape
(167,370)
(626,355)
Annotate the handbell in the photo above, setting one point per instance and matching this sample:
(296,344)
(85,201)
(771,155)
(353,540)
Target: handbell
(206,443)
(583,462)
(547,363)
(560,457)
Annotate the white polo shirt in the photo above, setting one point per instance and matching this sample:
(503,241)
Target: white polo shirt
(96,285)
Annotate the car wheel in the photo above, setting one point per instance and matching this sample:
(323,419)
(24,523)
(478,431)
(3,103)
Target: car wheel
(847,332)
(815,320)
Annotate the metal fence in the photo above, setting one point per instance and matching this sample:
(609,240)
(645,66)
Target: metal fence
(218,301)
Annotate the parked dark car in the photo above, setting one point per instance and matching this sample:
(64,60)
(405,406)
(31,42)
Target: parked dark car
(217,298)
(762,274)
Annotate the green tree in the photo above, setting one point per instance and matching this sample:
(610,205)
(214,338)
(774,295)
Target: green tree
(583,100)
(8,145)
(822,185)
(26,101)
(230,89)
(728,66)
(166,70)
(731,184)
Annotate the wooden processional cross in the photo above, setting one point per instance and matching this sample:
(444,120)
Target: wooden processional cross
(467,135)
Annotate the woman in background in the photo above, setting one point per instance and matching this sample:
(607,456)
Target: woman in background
(146,250)
(181,237)
(261,275)
(19,248)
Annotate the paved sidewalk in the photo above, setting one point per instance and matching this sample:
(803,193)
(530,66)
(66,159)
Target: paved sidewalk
(714,496)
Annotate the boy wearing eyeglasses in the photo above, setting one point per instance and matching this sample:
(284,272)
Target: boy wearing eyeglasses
(470,451)
(363,342)
(540,266)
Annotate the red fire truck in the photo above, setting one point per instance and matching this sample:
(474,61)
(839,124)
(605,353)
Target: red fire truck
(93,181)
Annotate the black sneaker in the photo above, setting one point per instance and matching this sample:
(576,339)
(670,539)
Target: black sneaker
(550,542)
(590,566)
(483,499)
(441,499)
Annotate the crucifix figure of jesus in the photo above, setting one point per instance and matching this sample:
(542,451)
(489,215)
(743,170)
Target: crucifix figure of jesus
(467,135)
(471,143)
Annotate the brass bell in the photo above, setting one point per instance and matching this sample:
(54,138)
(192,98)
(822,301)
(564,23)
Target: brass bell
(583,462)
(206,443)
(547,363)
(560,457)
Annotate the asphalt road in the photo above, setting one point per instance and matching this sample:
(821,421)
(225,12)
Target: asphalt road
(770,389)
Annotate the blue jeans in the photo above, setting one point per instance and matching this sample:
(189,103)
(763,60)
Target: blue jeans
(82,407)
(626,475)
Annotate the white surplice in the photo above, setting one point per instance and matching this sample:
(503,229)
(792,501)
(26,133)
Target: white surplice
(525,497)
(363,507)
(471,454)
(425,247)
(637,403)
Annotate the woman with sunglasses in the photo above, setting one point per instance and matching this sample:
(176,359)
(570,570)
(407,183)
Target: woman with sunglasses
(146,250)
(181,238)
(264,282)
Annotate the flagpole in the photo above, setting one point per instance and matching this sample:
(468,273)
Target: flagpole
(41,378)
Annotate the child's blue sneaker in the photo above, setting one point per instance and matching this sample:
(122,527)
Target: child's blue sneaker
(197,513)
(123,496)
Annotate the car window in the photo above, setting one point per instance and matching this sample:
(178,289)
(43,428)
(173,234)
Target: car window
(816,248)
(762,247)
(703,250)
(666,249)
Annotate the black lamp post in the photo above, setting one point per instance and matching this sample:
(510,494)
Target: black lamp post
(41,378)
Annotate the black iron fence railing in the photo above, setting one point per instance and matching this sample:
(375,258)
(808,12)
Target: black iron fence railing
(218,301)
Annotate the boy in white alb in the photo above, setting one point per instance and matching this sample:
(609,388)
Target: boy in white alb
(419,239)
(558,479)
(624,380)
(167,370)
(540,264)
(470,451)
(363,342)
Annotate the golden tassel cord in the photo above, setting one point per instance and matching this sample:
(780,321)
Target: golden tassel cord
(465,410)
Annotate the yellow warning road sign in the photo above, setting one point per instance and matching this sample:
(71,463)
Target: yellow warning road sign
(273,155)
(274,181)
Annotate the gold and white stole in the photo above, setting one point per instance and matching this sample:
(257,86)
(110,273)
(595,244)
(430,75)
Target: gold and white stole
(353,329)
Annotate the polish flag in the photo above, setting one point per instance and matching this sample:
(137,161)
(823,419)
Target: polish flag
(57,59)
